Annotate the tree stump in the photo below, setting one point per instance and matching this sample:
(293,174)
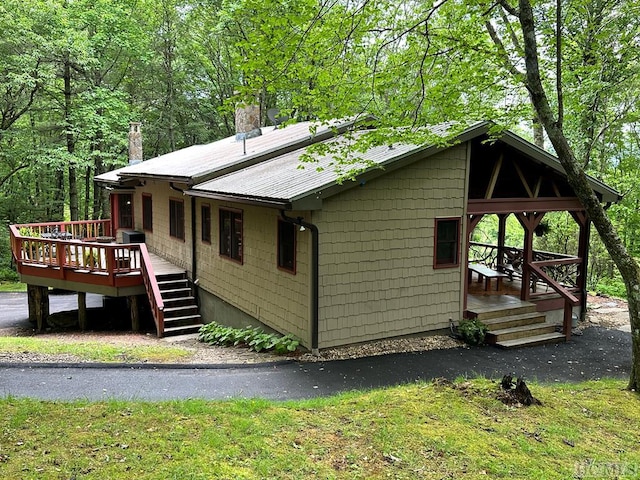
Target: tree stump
(518,394)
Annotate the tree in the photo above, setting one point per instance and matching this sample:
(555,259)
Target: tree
(438,61)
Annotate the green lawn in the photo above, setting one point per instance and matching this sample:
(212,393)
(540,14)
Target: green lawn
(95,351)
(419,431)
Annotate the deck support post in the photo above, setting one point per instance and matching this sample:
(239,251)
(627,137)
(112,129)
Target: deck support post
(135,313)
(82,310)
(38,298)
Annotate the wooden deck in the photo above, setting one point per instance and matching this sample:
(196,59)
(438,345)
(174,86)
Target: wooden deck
(164,267)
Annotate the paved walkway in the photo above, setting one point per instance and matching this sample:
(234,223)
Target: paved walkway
(598,353)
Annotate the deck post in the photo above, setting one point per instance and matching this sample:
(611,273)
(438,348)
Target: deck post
(82,310)
(38,299)
(135,313)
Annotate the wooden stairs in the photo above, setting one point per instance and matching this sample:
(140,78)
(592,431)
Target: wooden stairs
(181,315)
(513,323)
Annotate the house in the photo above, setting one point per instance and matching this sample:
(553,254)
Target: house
(266,239)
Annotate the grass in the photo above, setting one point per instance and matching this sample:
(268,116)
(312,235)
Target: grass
(94,351)
(417,431)
(6,286)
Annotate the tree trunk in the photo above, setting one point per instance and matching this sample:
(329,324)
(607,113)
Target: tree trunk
(577,179)
(73,182)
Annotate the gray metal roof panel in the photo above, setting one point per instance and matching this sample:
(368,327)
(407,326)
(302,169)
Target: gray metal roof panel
(198,160)
(286,178)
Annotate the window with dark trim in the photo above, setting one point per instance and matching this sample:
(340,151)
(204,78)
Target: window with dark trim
(147,212)
(447,242)
(176,218)
(286,246)
(231,234)
(205,213)
(125,210)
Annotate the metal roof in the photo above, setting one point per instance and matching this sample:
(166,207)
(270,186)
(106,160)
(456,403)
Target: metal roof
(288,182)
(199,162)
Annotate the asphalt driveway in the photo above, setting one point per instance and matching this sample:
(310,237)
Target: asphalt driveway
(598,353)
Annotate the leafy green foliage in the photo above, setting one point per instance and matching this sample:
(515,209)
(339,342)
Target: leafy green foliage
(613,287)
(252,337)
(472,331)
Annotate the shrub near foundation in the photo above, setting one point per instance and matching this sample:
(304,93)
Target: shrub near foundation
(472,331)
(252,337)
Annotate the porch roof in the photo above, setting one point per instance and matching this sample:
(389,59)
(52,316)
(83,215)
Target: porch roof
(201,162)
(286,182)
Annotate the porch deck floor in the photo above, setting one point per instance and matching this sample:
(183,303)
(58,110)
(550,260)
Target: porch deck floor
(486,303)
(164,267)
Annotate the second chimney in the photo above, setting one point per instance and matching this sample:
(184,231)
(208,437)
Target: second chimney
(247,121)
(135,143)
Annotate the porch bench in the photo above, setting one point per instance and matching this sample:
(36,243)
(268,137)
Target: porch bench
(485,273)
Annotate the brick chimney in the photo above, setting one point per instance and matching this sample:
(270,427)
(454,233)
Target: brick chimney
(247,121)
(135,143)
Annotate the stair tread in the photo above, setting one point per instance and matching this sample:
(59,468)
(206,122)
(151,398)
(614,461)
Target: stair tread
(183,328)
(195,316)
(522,328)
(533,340)
(510,318)
(180,299)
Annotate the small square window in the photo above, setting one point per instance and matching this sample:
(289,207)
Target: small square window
(447,243)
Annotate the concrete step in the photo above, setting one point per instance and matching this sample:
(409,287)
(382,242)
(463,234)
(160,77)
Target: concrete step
(532,341)
(509,321)
(495,336)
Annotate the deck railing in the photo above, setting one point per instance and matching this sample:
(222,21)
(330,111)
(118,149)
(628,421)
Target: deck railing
(563,269)
(78,230)
(153,290)
(59,246)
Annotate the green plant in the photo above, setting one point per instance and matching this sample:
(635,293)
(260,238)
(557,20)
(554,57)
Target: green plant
(472,331)
(253,337)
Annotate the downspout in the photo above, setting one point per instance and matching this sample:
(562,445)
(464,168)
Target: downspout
(314,276)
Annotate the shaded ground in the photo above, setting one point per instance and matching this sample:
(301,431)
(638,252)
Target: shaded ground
(602,312)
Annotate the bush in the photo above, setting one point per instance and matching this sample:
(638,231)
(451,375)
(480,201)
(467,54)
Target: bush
(612,287)
(472,331)
(252,337)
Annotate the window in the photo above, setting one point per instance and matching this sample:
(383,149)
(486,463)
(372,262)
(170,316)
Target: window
(231,234)
(147,212)
(176,218)
(125,210)
(447,242)
(205,213)
(286,246)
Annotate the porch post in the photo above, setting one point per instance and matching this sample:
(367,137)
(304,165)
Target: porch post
(583,252)
(502,226)
(527,253)
(38,299)
(135,313)
(82,310)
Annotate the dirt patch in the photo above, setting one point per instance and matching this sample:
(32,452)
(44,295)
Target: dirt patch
(607,312)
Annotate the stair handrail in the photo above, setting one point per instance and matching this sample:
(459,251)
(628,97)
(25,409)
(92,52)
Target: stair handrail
(153,290)
(570,300)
